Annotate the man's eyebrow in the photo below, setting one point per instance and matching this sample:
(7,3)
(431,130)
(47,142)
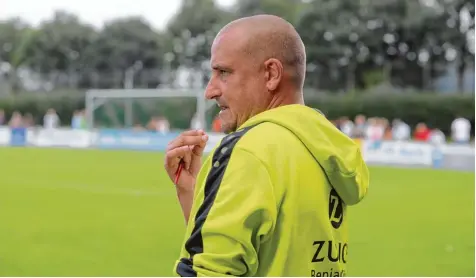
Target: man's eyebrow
(220,67)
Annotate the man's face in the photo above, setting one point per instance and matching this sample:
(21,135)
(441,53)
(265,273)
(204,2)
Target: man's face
(236,83)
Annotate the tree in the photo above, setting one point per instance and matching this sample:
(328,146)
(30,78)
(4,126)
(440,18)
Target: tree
(192,31)
(332,32)
(15,39)
(354,38)
(456,21)
(123,45)
(57,49)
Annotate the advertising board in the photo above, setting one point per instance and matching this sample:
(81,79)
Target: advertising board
(396,152)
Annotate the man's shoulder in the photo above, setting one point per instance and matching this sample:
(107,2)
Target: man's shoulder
(262,138)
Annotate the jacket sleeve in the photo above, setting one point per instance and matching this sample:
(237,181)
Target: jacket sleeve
(237,214)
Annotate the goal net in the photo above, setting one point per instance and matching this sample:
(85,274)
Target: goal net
(147,109)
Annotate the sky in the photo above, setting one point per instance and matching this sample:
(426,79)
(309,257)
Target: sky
(95,12)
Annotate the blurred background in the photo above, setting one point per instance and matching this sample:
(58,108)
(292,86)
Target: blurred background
(405,59)
(398,76)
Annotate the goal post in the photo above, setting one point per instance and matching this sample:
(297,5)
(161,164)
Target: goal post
(127,100)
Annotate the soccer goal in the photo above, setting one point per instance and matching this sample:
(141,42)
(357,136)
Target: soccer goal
(138,108)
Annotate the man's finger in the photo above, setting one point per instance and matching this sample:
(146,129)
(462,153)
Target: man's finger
(198,149)
(188,158)
(172,157)
(191,140)
(192,132)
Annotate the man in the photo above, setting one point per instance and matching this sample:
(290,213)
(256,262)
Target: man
(51,119)
(2,117)
(401,131)
(360,126)
(461,130)
(271,199)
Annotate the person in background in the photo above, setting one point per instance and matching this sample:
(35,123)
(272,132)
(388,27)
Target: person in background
(437,137)
(360,127)
(335,123)
(152,124)
(159,124)
(461,130)
(400,130)
(138,127)
(16,120)
(216,125)
(77,121)
(387,129)
(346,126)
(51,119)
(2,117)
(162,125)
(374,130)
(28,120)
(422,133)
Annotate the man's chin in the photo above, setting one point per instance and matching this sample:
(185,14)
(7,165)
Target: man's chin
(228,129)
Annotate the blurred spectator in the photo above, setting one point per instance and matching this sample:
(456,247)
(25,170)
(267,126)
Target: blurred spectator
(51,119)
(422,132)
(334,122)
(437,137)
(16,120)
(78,121)
(379,129)
(159,124)
(387,129)
(138,127)
(163,125)
(28,120)
(2,117)
(216,125)
(374,130)
(346,126)
(360,127)
(461,130)
(400,130)
(152,124)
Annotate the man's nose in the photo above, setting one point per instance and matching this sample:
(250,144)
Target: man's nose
(211,92)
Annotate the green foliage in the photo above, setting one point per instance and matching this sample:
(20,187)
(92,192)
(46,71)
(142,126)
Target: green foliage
(344,41)
(353,37)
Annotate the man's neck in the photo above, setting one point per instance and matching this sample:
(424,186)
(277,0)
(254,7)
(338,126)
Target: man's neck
(288,99)
(280,100)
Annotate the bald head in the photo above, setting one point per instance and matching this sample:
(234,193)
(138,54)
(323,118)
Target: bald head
(258,63)
(263,37)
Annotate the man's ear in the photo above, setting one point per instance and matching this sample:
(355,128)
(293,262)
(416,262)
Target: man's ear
(274,73)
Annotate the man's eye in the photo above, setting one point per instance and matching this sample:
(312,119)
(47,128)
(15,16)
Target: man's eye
(223,73)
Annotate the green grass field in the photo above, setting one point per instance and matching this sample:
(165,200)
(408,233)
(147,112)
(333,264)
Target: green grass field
(108,213)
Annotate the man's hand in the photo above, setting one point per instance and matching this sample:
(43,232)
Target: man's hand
(188,147)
